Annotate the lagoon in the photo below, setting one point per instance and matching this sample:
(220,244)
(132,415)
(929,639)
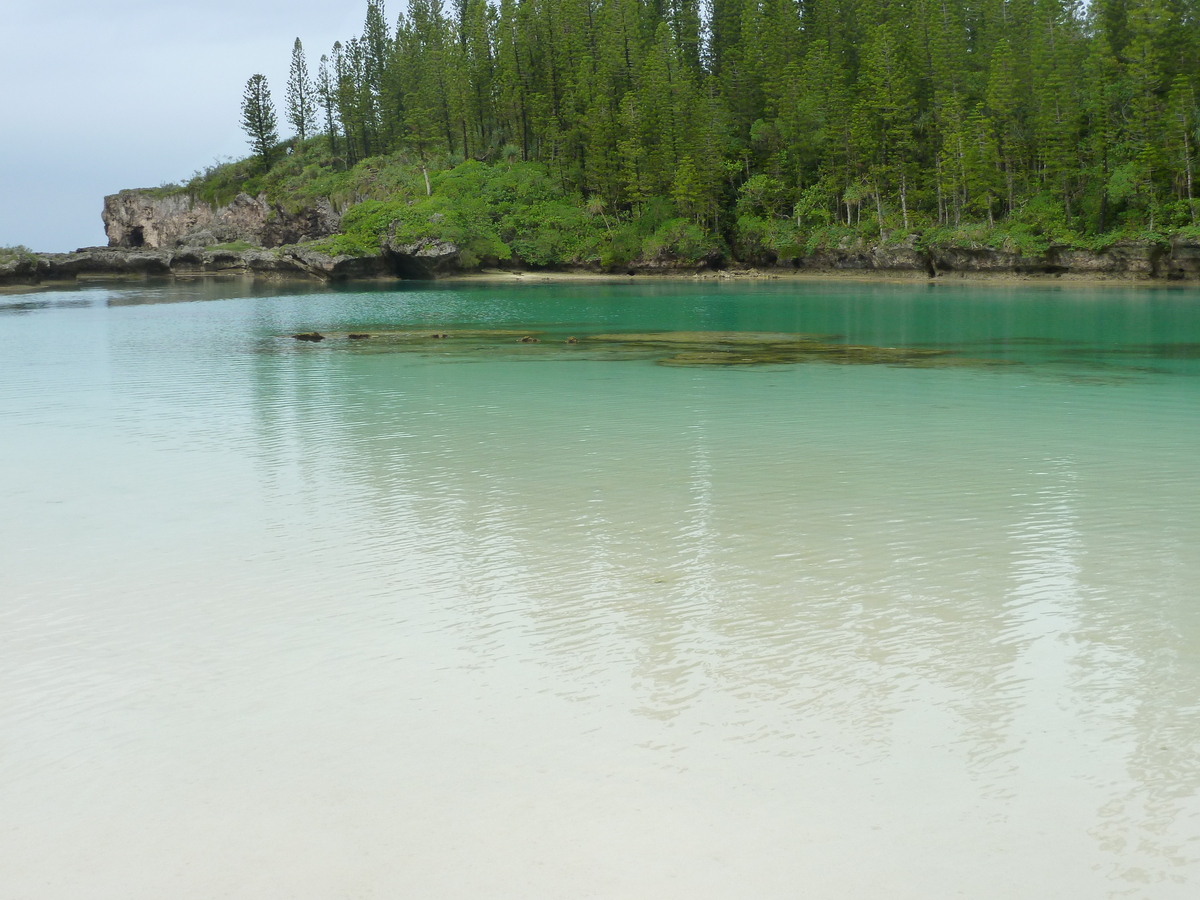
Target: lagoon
(475,617)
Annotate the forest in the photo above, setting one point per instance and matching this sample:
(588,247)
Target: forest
(754,127)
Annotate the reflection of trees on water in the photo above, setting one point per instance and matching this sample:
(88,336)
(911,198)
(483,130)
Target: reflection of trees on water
(1109,656)
(778,571)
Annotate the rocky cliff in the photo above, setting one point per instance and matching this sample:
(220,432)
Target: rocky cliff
(157,221)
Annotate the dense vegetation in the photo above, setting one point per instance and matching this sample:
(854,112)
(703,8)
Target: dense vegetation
(601,129)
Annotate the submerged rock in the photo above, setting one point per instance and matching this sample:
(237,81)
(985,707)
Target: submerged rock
(713,337)
(309,336)
(679,348)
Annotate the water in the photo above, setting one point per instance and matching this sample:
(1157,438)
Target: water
(289,620)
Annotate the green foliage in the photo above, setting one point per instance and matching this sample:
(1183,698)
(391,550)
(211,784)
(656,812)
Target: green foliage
(258,118)
(364,228)
(681,240)
(301,99)
(568,133)
(552,232)
(521,214)
(762,195)
(1189,232)
(490,213)
(830,237)
(470,226)
(17,253)
(768,240)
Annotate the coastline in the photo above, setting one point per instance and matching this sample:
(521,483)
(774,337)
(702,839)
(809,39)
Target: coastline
(176,237)
(788,275)
(979,279)
(1124,265)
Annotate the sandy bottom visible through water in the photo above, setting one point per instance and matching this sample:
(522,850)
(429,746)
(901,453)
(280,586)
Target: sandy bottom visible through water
(311,620)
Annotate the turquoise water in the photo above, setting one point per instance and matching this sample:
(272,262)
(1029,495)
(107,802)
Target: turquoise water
(482,618)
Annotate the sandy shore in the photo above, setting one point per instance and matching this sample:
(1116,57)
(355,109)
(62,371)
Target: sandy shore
(789,275)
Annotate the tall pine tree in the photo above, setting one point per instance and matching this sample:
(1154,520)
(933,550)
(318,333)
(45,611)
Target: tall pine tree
(301,96)
(258,118)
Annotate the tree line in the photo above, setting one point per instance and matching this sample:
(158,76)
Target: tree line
(901,113)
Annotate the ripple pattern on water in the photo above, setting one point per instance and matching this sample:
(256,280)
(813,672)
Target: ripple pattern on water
(310,620)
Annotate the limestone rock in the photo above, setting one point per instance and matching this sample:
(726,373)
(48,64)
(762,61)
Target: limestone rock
(1184,259)
(340,267)
(154,220)
(425,258)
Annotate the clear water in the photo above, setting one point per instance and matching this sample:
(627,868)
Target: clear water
(281,620)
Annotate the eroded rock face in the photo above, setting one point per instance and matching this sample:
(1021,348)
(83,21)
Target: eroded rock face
(901,256)
(426,258)
(137,219)
(1126,259)
(1184,259)
(93,261)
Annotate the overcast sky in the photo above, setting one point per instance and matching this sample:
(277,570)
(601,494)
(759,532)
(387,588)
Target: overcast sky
(99,96)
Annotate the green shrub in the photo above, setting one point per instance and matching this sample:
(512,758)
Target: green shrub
(761,240)
(1023,239)
(466,224)
(553,232)
(683,241)
(762,196)
(364,228)
(16,253)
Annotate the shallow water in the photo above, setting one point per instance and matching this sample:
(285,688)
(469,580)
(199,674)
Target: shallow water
(487,619)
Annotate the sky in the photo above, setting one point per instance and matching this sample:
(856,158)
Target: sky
(100,96)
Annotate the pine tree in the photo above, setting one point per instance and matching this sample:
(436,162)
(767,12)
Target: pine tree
(300,97)
(884,121)
(686,190)
(344,91)
(1184,117)
(327,94)
(947,111)
(258,118)
(375,47)
(419,39)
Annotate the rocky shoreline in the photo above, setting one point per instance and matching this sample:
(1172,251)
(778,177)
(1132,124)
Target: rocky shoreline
(153,235)
(187,262)
(1133,262)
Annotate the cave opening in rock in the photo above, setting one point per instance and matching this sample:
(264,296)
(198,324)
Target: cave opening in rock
(406,266)
(137,236)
